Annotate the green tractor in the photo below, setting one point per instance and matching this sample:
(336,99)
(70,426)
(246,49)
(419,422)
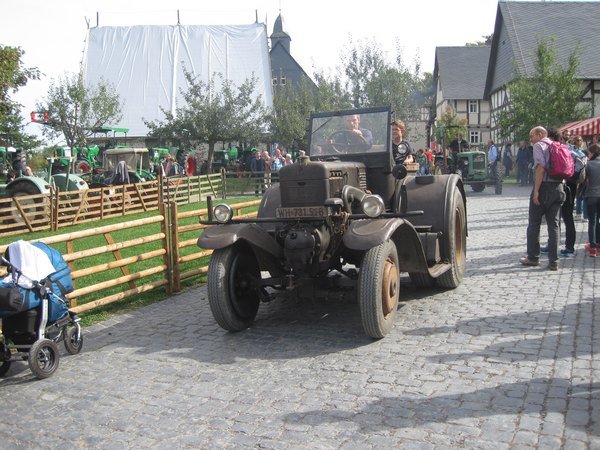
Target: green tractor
(187,159)
(125,165)
(472,166)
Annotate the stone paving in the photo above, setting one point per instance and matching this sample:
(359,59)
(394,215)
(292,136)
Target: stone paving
(507,360)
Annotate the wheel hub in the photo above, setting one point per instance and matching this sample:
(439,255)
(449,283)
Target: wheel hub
(389,289)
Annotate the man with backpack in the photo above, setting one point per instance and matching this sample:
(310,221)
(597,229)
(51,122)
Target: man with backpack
(547,196)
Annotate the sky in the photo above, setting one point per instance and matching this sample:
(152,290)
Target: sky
(53,32)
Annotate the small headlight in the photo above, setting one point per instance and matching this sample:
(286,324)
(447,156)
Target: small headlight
(222,213)
(372,205)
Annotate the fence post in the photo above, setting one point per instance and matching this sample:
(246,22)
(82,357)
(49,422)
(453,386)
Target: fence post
(163,208)
(175,247)
(223,184)
(54,199)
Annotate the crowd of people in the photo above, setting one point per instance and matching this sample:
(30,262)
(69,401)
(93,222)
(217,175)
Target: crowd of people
(556,199)
(265,166)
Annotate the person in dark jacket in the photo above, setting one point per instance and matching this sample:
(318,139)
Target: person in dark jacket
(592,197)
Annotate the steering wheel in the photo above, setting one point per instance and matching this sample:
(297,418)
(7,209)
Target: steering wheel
(344,141)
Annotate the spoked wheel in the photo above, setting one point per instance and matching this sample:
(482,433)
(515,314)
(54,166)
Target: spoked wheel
(454,242)
(43,358)
(379,289)
(73,339)
(233,291)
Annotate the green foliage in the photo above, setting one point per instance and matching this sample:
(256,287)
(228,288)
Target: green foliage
(450,125)
(213,112)
(12,77)
(291,108)
(76,109)
(549,97)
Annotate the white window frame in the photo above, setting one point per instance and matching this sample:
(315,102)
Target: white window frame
(474,137)
(473,106)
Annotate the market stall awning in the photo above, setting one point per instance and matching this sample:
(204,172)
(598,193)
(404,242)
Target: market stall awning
(586,127)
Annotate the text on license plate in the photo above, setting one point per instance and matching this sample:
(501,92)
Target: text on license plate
(302,211)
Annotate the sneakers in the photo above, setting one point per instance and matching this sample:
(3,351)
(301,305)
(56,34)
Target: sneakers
(529,262)
(566,253)
(544,250)
(593,251)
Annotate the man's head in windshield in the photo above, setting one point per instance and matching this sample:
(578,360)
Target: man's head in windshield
(352,123)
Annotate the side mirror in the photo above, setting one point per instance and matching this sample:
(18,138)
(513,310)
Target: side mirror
(399,171)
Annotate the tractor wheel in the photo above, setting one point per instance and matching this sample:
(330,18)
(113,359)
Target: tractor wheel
(454,242)
(23,189)
(498,187)
(188,162)
(478,187)
(82,166)
(233,293)
(379,289)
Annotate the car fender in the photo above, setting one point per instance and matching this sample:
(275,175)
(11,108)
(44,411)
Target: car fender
(221,236)
(368,233)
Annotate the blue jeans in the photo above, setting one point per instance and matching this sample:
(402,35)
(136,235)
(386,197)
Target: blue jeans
(593,210)
(551,196)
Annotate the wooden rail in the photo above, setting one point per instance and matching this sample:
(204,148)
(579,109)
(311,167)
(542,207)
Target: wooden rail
(108,267)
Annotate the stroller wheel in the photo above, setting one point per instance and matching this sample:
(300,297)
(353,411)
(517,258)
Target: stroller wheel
(4,366)
(72,343)
(43,358)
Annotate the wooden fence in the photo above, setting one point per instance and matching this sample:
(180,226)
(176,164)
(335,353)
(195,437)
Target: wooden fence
(61,209)
(108,265)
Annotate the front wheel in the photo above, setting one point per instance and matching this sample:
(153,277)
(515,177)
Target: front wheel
(43,358)
(454,242)
(478,187)
(233,291)
(73,339)
(498,188)
(379,289)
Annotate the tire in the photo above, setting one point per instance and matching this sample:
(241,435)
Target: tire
(82,166)
(72,344)
(188,162)
(379,289)
(43,358)
(478,187)
(4,367)
(498,188)
(22,189)
(232,294)
(454,242)
(438,169)
(421,279)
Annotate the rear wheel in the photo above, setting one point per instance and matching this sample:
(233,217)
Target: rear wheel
(454,242)
(498,187)
(82,166)
(478,187)
(43,358)
(233,291)
(379,289)
(30,205)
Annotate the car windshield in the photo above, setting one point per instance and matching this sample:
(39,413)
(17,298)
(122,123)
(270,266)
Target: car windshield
(133,160)
(349,133)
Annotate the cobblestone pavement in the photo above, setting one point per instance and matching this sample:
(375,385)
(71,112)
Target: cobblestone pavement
(507,360)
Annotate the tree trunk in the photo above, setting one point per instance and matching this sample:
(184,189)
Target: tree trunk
(209,159)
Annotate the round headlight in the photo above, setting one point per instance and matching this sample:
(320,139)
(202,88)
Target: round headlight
(372,205)
(222,213)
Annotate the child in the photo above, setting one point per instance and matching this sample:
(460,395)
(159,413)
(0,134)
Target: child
(422,160)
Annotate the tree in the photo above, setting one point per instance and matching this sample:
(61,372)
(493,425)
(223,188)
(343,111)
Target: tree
(550,96)
(12,77)
(75,109)
(291,107)
(214,111)
(449,125)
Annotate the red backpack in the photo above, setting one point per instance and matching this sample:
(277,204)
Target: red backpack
(560,161)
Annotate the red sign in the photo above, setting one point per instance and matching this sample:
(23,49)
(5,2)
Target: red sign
(39,117)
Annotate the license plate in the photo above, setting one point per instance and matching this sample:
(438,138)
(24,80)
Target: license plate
(302,211)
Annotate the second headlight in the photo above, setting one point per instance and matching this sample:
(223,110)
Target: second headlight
(373,206)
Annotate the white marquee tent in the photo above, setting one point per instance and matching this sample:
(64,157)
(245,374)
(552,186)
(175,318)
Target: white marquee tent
(145,63)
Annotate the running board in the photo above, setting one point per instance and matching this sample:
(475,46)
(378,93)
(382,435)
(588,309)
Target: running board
(439,269)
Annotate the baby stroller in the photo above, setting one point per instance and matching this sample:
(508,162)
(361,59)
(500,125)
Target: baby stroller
(34,309)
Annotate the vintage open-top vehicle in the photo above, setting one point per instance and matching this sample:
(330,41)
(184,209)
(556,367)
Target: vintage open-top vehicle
(343,207)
